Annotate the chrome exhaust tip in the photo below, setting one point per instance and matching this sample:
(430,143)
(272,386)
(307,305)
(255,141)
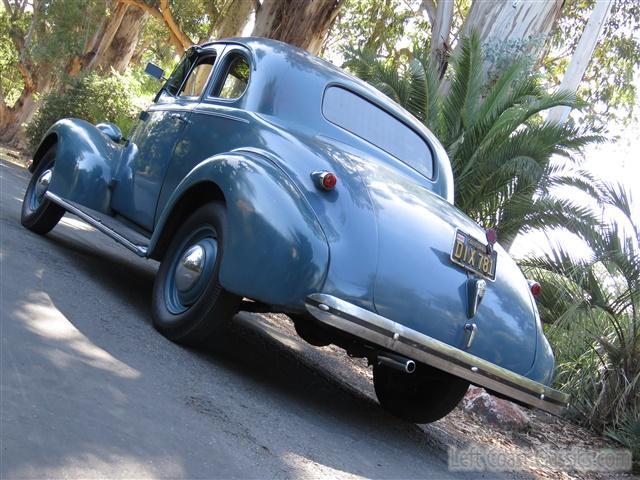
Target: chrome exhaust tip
(397,362)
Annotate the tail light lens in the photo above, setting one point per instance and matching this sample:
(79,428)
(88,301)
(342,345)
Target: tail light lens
(325,180)
(535,288)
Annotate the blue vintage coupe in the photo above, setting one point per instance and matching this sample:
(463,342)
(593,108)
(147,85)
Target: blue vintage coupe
(266,179)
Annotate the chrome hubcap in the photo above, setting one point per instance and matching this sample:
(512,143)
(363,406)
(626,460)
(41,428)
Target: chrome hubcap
(189,268)
(42,185)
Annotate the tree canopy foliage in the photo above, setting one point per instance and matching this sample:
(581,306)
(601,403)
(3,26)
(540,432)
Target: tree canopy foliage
(607,90)
(607,93)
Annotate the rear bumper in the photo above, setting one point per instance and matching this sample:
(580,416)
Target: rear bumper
(417,346)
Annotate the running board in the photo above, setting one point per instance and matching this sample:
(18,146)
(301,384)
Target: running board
(139,250)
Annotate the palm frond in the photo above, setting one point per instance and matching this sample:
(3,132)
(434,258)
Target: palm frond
(460,106)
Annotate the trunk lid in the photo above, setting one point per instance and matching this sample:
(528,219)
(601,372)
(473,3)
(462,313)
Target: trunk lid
(419,286)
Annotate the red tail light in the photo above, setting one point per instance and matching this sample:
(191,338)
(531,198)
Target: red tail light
(325,180)
(535,288)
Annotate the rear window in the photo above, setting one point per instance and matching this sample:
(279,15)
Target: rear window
(376,126)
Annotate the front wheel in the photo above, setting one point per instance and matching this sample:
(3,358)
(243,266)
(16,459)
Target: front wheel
(39,214)
(189,305)
(424,396)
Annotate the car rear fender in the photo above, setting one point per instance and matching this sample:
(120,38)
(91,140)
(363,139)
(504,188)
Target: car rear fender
(85,159)
(543,367)
(275,250)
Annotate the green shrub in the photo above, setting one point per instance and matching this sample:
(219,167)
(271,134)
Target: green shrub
(90,97)
(593,307)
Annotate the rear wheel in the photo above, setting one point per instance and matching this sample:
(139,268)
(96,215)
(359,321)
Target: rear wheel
(39,214)
(311,331)
(424,396)
(189,305)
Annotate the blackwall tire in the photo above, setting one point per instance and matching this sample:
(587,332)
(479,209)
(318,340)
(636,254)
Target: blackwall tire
(189,306)
(424,396)
(39,214)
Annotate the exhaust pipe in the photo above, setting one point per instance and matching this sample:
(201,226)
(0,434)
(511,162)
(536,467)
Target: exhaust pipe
(397,362)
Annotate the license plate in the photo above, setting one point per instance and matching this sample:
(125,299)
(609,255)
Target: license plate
(472,255)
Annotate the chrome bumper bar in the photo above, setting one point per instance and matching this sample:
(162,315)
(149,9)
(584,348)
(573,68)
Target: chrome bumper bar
(417,346)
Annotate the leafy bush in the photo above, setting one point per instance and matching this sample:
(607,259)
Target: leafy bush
(91,97)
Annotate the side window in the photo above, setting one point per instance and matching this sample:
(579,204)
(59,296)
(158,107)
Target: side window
(197,79)
(236,78)
(196,72)
(178,75)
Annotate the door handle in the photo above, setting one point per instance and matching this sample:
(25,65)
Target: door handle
(179,116)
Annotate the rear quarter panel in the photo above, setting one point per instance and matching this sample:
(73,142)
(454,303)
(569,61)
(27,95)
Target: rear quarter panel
(275,250)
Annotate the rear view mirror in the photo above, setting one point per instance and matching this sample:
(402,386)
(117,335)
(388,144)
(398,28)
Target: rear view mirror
(154,71)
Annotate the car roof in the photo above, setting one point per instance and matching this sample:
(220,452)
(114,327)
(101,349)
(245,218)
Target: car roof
(304,61)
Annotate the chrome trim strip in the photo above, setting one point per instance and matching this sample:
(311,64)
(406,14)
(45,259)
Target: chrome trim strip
(169,107)
(218,114)
(415,345)
(97,224)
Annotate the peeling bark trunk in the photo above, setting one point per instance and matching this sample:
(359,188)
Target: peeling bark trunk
(35,79)
(113,43)
(506,20)
(13,118)
(582,57)
(440,47)
(118,53)
(99,42)
(162,12)
(303,23)
(429,6)
(233,19)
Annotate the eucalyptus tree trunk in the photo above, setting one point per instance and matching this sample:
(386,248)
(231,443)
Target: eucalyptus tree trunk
(113,43)
(118,52)
(504,21)
(303,23)
(440,47)
(161,11)
(233,18)
(512,19)
(582,57)
(13,118)
(36,78)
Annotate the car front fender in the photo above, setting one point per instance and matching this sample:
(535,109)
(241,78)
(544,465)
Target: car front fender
(85,159)
(275,249)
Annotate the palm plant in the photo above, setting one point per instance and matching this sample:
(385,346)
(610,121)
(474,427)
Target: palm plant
(502,153)
(499,147)
(596,333)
